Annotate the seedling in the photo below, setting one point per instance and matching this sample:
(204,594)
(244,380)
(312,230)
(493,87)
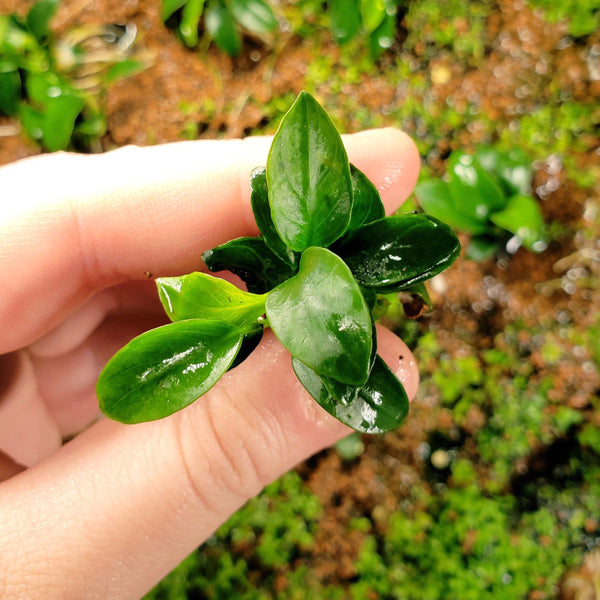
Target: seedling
(53,85)
(325,253)
(222,20)
(487,194)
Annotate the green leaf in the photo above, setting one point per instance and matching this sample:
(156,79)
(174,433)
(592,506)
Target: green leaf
(345,19)
(372,13)
(308,176)
(367,205)
(221,28)
(250,259)
(202,296)
(513,168)
(39,17)
(383,36)
(473,190)
(250,341)
(523,218)
(123,69)
(399,251)
(10,92)
(435,199)
(380,405)
(59,121)
(321,317)
(190,20)
(259,198)
(255,15)
(165,369)
(169,7)
(482,247)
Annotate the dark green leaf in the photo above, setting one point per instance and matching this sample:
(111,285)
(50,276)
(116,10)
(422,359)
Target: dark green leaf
(39,17)
(169,7)
(523,218)
(473,190)
(321,317)
(165,369)
(221,28)
(259,199)
(250,259)
(435,199)
(190,19)
(255,15)
(202,296)
(367,205)
(379,405)
(250,342)
(10,92)
(345,19)
(308,175)
(399,251)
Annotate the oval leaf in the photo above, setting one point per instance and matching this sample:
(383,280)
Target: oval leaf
(250,259)
(367,205)
(308,176)
(379,405)
(165,369)
(202,296)
(321,317)
(221,28)
(399,251)
(259,199)
(255,15)
(523,218)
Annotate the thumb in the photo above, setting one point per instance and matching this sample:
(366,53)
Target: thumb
(121,505)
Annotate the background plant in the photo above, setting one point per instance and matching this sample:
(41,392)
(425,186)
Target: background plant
(42,80)
(487,194)
(223,20)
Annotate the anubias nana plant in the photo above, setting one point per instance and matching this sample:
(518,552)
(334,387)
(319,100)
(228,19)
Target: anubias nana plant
(487,194)
(326,251)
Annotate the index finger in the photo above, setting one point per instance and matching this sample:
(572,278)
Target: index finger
(81,223)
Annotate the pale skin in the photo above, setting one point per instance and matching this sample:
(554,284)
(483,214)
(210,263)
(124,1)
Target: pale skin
(111,512)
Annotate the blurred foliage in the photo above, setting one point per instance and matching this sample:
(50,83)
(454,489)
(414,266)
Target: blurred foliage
(487,194)
(40,79)
(223,20)
(582,16)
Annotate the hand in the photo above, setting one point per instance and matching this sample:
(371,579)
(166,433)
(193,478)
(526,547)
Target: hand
(108,514)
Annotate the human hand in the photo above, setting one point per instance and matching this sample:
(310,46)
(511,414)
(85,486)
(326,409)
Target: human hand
(108,514)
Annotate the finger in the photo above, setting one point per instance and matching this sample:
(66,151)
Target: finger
(86,222)
(139,498)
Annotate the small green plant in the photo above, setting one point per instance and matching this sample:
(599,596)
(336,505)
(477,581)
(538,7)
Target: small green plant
(326,252)
(222,20)
(39,80)
(487,194)
(375,20)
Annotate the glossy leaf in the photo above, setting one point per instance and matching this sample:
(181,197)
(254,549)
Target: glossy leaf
(345,19)
(399,251)
(380,405)
(221,28)
(367,205)
(474,192)
(308,176)
(255,15)
(321,317)
(259,198)
(190,19)
(165,369)
(202,296)
(39,17)
(250,259)
(435,199)
(523,218)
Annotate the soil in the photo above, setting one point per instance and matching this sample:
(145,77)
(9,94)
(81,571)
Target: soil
(224,97)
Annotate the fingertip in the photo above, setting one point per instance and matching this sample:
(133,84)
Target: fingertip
(389,157)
